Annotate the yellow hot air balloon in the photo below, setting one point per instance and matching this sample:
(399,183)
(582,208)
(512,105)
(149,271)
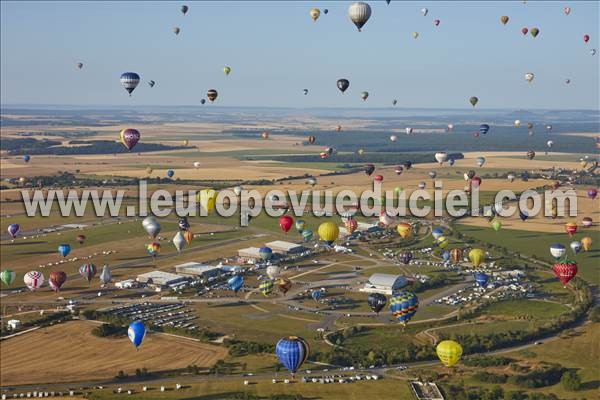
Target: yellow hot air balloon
(361,151)
(442,242)
(477,256)
(227,70)
(186,142)
(449,352)
(328,232)
(586,243)
(404,229)
(206,199)
(314,14)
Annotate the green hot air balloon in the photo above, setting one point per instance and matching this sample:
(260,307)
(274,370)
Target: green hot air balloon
(534,32)
(8,276)
(473,100)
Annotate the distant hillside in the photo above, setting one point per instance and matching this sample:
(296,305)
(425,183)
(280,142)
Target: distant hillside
(33,146)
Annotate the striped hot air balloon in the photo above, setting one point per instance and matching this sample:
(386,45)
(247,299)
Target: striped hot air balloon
(359,13)
(130,80)
(292,352)
(404,306)
(266,286)
(33,280)
(88,271)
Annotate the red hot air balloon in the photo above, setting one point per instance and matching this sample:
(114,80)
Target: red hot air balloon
(524,31)
(81,239)
(586,38)
(378,178)
(56,280)
(286,222)
(351,225)
(571,228)
(565,271)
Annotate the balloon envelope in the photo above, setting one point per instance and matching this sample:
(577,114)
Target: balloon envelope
(449,352)
(136,333)
(292,352)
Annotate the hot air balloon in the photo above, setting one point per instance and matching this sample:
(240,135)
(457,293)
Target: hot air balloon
(342,84)
(130,80)
(183,224)
(481,279)
(325,11)
(8,276)
(404,306)
(80,239)
(264,135)
(567,10)
(449,352)
(286,222)
(13,230)
(299,225)
(477,256)
(586,38)
(424,11)
(524,31)
(314,14)
(575,246)
(557,250)
(432,174)
(571,228)
(534,32)
(422,185)
(235,283)
(266,286)
(393,138)
(446,255)
(364,96)
(407,165)
(359,13)
(188,236)
(237,190)
(469,175)
(415,35)
(587,222)
(284,285)
(586,243)
(292,352)
(64,249)
(151,226)
(480,161)
(207,199)
(408,130)
(265,253)
(593,52)
(511,177)
(184,9)
(151,83)
(441,157)
(273,271)
(170,173)
(149,170)
(369,169)
(202,101)
(88,271)
(394,102)
(153,249)
(212,95)
(457,255)
(504,19)
(550,143)
(377,301)
(399,169)
(176,30)
(442,242)
(592,193)
(451,161)
(548,128)
(450,127)
(136,333)
(484,129)
(517,123)
(26,158)
(473,100)
(437,232)
(405,257)
(328,232)
(307,235)
(105,275)
(529,77)
(530,155)
(565,271)
(351,225)
(179,241)
(226,70)
(436,22)
(316,295)
(79,65)
(33,280)
(378,178)
(129,137)
(523,215)
(56,280)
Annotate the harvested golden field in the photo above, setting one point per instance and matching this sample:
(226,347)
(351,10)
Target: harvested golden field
(69,352)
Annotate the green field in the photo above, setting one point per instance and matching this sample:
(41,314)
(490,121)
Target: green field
(535,309)
(538,244)
(487,328)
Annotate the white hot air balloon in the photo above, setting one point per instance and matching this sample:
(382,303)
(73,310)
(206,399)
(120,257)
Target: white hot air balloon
(480,161)
(517,123)
(441,157)
(511,177)
(151,226)
(424,11)
(408,131)
(529,77)
(33,280)
(550,143)
(359,13)
(196,164)
(105,276)
(422,185)
(394,138)
(179,241)
(237,190)
(273,271)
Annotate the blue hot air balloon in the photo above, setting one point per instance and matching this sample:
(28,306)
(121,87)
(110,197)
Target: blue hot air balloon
(136,333)
(558,251)
(446,255)
(64,249)
(26,158)
(236,282)
(404,306)
(484,128)
(437,232)
(523,215)
(292,351)
(481,279)
(316,295)
(170,173)
(307,234)
(266,253)
(13,230)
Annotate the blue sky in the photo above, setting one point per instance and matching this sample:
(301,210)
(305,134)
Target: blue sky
(275,51)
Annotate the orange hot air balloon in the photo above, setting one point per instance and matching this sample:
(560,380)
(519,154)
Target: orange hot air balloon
(571,228)
(404,229)
(284,285)
(188,236)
